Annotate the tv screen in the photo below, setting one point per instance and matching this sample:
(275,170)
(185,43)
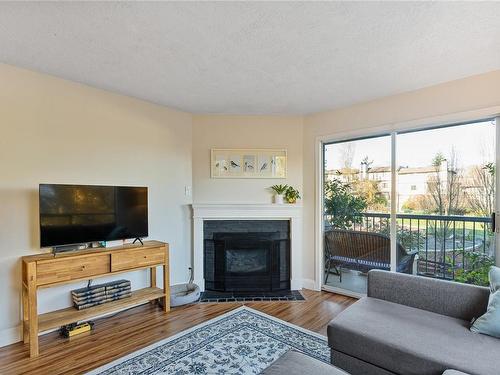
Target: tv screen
(74,214)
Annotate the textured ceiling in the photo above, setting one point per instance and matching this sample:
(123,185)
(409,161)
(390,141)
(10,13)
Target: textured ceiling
(253,57)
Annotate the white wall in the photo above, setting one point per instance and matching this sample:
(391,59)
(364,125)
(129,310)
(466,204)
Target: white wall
(211,131)
(57,131)
(460,100)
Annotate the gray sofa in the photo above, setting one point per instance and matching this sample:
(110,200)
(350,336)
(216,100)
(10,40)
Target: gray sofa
(413,325)
(296,363)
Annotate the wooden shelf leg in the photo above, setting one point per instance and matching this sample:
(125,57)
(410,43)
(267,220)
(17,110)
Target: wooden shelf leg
(153,281)
(153,276)
(166,288)
(32,310)
(25,322)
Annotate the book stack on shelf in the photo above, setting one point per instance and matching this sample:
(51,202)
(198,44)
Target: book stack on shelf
(98,294)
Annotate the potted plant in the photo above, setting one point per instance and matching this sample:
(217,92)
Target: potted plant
(279,192)
(291,195)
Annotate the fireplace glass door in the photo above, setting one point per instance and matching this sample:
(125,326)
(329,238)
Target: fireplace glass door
(247,261)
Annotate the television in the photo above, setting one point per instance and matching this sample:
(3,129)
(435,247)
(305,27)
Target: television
(77,214)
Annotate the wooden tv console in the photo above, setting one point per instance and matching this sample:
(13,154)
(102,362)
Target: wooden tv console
(47,270)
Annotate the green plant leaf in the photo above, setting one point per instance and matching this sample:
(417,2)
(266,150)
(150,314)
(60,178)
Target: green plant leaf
(279,189)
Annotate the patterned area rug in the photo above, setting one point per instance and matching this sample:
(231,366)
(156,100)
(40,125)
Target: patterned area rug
(243,341)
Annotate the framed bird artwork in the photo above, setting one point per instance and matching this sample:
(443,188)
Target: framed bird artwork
(248,163)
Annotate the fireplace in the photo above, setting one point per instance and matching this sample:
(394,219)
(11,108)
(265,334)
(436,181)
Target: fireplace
(247,255)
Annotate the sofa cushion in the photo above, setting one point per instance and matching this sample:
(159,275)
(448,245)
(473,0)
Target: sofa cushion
(454,372)
(494,277)
(461,301)
(489,323)
(296,363)
(406,340)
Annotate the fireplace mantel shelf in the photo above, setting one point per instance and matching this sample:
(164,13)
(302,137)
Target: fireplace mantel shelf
(263,205)
(246,210)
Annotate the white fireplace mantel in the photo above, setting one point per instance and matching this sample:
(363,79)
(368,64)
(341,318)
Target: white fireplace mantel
(249,211)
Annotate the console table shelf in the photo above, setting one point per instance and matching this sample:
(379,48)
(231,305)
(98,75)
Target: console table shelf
(56,319)
(47,270)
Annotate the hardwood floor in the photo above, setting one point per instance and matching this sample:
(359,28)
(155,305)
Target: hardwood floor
(131,330)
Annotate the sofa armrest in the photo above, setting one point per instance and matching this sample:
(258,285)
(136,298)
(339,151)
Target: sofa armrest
(449,298)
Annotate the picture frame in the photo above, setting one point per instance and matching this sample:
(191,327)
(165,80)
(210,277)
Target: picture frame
(248,163)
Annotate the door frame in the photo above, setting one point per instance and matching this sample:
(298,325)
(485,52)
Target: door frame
(390,129)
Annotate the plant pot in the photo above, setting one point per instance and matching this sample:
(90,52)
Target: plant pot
(278,199)
(292,200)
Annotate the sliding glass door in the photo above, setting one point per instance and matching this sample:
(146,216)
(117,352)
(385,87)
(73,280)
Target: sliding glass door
(436,187)
(357,196)
(445,202)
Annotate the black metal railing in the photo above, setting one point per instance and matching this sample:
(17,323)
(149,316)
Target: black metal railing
(443,243)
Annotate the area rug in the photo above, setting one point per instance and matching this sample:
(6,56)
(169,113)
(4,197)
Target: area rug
(243,341)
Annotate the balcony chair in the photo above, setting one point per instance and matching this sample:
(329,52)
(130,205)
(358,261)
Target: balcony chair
(362,251)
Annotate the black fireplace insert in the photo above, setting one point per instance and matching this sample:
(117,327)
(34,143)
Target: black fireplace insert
(247,262)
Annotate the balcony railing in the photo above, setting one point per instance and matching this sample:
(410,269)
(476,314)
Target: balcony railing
(443,243)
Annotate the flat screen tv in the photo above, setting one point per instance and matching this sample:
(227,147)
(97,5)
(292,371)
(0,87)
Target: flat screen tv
(76,214)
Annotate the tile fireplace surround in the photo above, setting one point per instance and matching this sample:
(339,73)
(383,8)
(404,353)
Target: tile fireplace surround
(293,213)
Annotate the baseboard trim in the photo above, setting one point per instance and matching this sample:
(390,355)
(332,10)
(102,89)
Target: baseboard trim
(309,284)
(10,336)
(343,292)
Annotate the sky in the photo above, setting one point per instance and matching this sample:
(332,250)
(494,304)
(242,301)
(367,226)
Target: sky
(474,144)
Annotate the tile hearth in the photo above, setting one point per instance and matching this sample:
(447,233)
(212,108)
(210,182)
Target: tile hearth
(211,296)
